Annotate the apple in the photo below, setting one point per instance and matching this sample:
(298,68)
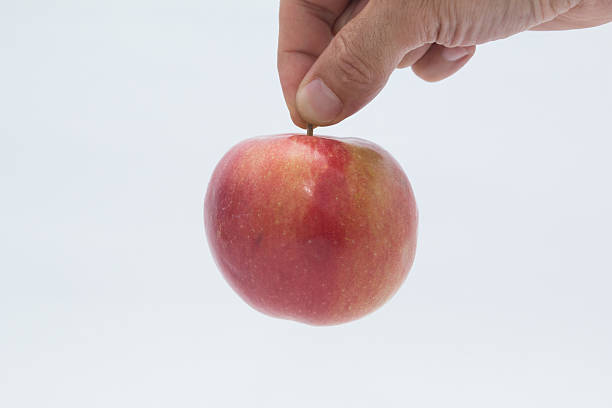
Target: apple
(316,229)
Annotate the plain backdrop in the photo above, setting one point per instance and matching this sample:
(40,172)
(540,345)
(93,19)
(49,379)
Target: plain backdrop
(113,115)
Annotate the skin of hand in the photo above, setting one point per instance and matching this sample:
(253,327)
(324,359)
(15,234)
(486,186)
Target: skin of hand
(334,56)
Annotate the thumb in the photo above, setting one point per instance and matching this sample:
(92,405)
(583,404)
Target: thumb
(353,68)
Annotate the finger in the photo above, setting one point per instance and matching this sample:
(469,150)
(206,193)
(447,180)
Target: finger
(441,62)
(413,56)
(305,30)
(587,14)
(354,8)
(356,65)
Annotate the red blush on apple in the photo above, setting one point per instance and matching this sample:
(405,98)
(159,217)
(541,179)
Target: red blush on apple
(315,229)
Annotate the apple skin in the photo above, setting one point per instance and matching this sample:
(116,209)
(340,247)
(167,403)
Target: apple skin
(315,229)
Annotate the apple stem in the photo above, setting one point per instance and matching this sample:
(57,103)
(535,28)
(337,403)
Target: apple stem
(309,131)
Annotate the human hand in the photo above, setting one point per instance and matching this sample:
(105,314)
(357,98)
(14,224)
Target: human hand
(334,56)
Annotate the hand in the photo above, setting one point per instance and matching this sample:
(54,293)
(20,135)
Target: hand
(334,56)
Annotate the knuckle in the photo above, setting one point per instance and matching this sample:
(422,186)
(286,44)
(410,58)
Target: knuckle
(558,7)
(459,25)
(451,28)
(544,10)
(353,67)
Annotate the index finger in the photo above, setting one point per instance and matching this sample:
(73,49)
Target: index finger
(305,30)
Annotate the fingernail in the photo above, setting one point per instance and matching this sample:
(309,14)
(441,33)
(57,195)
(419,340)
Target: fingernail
(317,103)
(454,54)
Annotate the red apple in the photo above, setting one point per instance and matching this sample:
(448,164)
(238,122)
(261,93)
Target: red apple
(315,229)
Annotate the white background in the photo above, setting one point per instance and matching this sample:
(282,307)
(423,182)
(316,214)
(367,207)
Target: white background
(112,117)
